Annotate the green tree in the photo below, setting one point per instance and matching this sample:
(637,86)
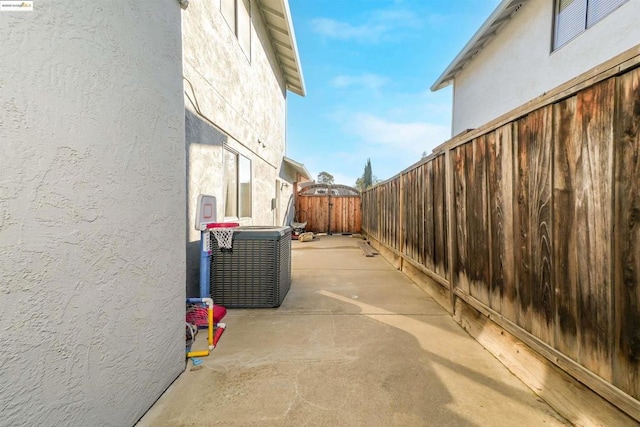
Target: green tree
(367,177)
(325,178)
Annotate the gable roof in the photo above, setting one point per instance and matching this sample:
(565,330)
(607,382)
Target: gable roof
(277,18)
(297,167)
(500,16)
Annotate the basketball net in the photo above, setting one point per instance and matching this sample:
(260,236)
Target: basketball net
(224,237)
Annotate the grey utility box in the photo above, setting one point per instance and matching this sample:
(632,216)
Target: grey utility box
(255,272)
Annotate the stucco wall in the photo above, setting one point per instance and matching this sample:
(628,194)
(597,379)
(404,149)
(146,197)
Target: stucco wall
(518,64)
(92,190)
(241,100)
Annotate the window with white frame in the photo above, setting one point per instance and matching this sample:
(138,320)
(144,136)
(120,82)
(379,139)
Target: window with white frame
(237,185)
(573,17)
(237,13)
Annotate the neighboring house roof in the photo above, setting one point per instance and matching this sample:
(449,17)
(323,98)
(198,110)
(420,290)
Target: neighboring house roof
(500,16)
(277,17)
(298,167)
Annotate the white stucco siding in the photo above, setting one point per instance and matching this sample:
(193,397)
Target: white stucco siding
(518,65)
(242,105)
(92,257)
(244,96)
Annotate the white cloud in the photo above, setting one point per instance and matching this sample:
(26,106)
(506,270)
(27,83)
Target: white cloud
(391,145)
(344,31)
(397,18)
(366,80)
(380,23)
(395,137)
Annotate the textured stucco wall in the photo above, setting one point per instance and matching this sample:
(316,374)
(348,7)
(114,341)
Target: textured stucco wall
(518,64)
(92,190)
(242,101)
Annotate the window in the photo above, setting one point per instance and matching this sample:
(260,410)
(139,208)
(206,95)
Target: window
(237,13)
(573,17)
(237,185)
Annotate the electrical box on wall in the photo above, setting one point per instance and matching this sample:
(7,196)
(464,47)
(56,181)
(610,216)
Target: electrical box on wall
(273,204)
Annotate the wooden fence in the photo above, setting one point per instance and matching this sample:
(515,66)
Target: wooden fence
(335,214)
(535,222)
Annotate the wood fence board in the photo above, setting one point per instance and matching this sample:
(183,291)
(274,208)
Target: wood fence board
(384,224)
(423,209)
(521,236)
(415,214)
(389,214)
(500,185)
(394,217)
(377,215)
(410,206)
(440,256)
(627,238)
(461,255)
(384,232)
(583,220)
(477,220)
(387,218)
(533,222)
(567,124)
(428,235)
(405,212)
(543,296)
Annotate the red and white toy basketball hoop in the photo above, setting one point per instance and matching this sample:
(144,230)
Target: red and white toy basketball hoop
(206,222)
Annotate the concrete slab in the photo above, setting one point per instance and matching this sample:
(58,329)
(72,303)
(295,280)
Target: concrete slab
(349,346)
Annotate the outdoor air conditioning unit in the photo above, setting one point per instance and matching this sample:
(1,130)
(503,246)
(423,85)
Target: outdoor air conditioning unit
(255,272)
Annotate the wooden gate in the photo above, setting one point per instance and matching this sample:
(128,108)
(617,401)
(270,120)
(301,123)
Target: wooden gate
(329,213)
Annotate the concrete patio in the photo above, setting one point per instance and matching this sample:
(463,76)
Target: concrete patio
(355,343)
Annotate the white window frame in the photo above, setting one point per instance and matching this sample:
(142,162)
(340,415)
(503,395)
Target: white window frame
(578,18)
(238,185)
(240,23)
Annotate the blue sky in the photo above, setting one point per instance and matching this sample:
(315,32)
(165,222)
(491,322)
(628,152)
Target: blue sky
(368,66)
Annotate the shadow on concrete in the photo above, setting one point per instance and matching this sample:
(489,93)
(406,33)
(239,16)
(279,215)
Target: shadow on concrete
(430,336)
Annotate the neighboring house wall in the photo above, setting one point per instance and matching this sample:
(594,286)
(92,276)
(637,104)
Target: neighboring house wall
(290,184)
(92,258)
(518,65)
(241,100)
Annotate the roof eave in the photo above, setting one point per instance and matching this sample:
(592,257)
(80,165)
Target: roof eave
(277,18)
(485,33)
(298,167)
